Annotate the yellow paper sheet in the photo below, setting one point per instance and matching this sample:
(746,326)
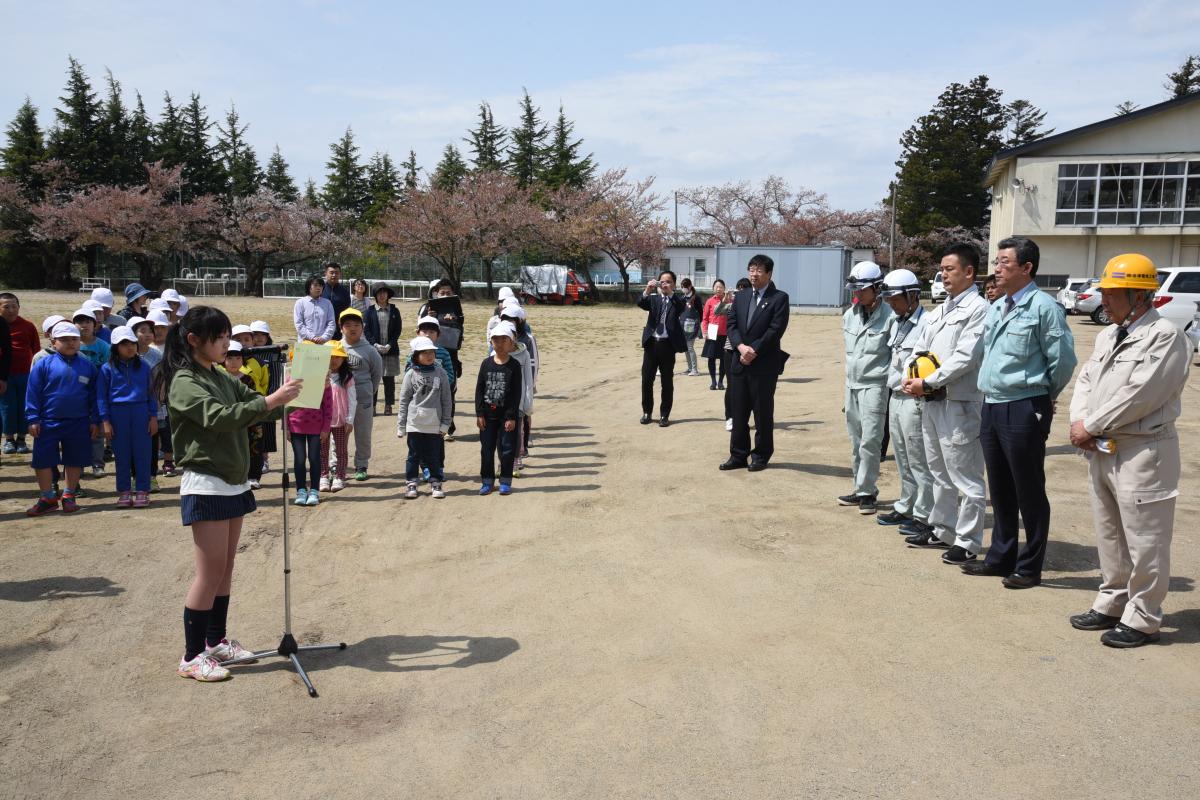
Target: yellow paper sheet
(310,363)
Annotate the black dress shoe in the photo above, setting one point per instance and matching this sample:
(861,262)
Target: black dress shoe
(732,463)
(1125,636)
(1018,581)
(645,419)
(757,466)
(664,423)
(985,569)
(1093,620)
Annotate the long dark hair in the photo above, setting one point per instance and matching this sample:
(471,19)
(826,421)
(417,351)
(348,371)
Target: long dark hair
(344,372)
(208,323)
(115,359)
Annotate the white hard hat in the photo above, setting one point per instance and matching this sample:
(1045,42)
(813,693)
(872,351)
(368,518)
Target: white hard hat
(103,295)
(899,281)
(422,343)
(238,330)
(864,275)
(260,326)
(123,333)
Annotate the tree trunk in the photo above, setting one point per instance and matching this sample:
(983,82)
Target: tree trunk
(625,280)
(487,274)
(92,254)
(56,262)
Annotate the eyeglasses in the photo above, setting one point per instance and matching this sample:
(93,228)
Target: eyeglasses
(756,270)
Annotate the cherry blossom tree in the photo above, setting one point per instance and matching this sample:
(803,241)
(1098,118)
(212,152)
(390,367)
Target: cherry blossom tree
(503,217)
(622,221)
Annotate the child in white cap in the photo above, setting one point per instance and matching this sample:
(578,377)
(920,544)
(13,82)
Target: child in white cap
(129,415)
(497,408)
(426,409)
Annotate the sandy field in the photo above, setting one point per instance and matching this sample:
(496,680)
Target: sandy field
(629,623)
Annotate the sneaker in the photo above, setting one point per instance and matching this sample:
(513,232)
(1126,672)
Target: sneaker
(301,497)
(1093,620)
(505,488)
(168,468)
(387,411)
(154,487)
(926,539)
(848,499)
(337,484)
(97,472)
(866,504)
(720,386)
(485,488)
(42,506)
(518,465)
(712,386)
(141,499)
(79,492)
(1124,636)
(266,465)
(109,455)
(729,424)
(361,475)
(958,555)
(229,650)
(891,518)
(449,437)
(438,494)
(125,500)
(410,490)
(314,497)
(10,447)
(202,668)
(255,484)
(69,506)
(913,527)
(324,484)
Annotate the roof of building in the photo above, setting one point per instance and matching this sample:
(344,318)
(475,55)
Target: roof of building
(1002,158)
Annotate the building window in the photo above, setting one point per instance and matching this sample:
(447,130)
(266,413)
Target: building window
(1129,193)
(701,265)
(664,264)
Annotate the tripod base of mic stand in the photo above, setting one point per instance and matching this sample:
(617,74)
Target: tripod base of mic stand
(289,649)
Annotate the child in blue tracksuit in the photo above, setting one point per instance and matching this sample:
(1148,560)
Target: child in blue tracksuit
(129,413)
(60,405)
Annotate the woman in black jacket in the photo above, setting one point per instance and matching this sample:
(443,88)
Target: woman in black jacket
(383,327)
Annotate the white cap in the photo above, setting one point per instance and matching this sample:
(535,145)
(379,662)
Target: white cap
(513,310)
(93,305)
(428,320)
(62,329)
(123,333)
(505,329)
(505,293)
(135,321)
(170,295)
(238,330)
(158,304)
(103,295)
(183,306)
(159,319)
(83,312)
(260,326)
(422,343)
(52,320)
(234,347)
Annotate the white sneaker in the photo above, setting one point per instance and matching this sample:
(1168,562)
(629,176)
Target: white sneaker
(202,668)
(337,485)
(255,484)
(410,491)
(97,472)
(437,490)
(228,650)
(729,424)
(323,485)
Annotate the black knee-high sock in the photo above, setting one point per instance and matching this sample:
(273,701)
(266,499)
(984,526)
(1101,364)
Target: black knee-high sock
(712,369)
(195,623)
(216,620)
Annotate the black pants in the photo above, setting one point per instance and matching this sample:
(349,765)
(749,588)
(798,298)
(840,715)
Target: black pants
(255,435)
(1014,450)
(493,435)
(427,449)
(713,363)
(658,355)
(389,390)
(752,392)
(726,357)
(306,445)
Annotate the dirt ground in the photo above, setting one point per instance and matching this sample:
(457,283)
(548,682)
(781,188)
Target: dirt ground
(629,623)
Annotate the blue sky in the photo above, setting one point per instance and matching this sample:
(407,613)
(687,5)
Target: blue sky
(698,92)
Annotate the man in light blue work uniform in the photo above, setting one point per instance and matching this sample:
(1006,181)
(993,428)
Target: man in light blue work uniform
(1028,358)
(864,329)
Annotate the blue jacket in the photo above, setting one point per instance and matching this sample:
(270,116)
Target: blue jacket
(62,389)
(124,383)
(1028,352)
(97,352)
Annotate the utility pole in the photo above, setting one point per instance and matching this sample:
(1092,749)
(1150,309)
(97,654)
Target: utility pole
(892,235)
(676,216)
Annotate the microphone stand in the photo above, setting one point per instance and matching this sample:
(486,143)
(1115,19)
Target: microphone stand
(287,645)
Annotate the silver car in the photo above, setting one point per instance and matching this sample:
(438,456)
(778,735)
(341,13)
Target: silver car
(1087,301)
(1066,295)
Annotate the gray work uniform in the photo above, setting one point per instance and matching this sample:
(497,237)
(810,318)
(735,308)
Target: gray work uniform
(367,365)
(954,333)
(904,417)
(867,359)
(1130,393)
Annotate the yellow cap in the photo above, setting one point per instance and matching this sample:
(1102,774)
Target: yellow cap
(923,365)
(336,347)
(350,312)
(1129,271)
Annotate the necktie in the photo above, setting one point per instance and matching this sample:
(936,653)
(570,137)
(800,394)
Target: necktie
(1122,332)
(1008,305)
(753,306)
(662,317)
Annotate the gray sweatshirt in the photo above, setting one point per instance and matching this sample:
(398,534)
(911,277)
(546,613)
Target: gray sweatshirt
(426,402)
(367,365)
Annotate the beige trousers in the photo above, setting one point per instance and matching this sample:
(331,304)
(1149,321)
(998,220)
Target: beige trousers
(1133,504)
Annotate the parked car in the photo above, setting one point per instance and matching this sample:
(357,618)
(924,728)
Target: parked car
(553,283)
(1193,330)
(1066,295)
(1087,301)
(1178,295)
(937,292)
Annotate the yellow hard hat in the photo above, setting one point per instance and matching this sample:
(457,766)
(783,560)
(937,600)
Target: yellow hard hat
(1129,271)
(923,365)
(336,348)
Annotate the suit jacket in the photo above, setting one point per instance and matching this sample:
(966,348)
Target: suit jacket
(653,305)
(763,333)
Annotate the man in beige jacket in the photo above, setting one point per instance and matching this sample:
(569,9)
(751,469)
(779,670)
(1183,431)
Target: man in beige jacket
(1123,413)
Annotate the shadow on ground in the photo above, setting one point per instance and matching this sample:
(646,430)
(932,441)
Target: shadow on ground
(397,653)
(60,587)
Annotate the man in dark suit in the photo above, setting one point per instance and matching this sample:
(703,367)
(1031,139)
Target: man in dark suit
(662,338)
(755,327)
(336,293)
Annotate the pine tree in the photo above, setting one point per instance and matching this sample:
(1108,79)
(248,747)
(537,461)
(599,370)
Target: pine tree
(1128,107)
(563,166)
(311,195)
(204,174)
(169,135)
(943,155)
(277,178)
(24,151)
(487,142)
(113,140)
(243,176)
(1025,123)
(346,182)
(450,171)
(383,184)
(74,139)
(526,153)
(140,146)
(1186,79)
(411,171)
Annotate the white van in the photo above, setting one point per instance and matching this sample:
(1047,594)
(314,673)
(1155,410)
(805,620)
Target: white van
(1178,295)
